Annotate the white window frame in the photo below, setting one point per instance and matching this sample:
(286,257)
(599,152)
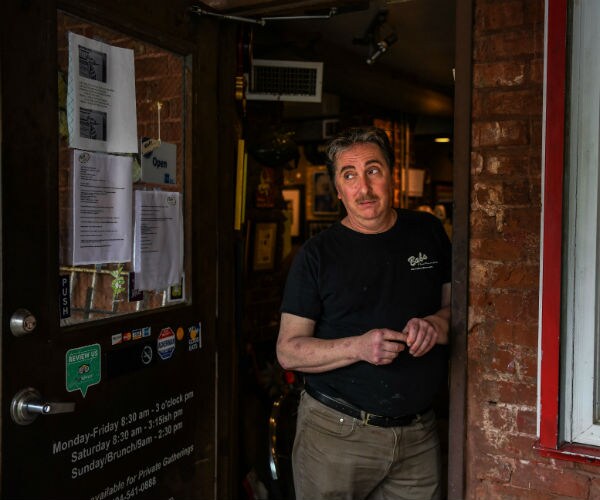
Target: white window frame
(581,286)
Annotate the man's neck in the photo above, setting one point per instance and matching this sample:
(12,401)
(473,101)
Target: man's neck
(381,225)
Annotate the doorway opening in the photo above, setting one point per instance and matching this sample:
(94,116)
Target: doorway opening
(407,89)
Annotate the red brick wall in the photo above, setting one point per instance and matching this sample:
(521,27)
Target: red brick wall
(508,52)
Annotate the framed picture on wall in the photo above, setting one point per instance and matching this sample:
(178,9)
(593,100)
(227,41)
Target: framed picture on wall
(265,243)
(321,199)
(293,197)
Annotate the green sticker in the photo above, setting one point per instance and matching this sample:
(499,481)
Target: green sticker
(82,367)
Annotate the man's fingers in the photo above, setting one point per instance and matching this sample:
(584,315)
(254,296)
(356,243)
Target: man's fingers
(394,335)
(421,337)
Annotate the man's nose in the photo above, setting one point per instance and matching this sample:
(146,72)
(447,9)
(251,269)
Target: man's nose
(365,183)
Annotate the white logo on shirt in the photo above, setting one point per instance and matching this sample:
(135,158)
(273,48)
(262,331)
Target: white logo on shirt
(420,262)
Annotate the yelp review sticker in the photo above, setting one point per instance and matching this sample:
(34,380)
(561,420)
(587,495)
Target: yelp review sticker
(82,368)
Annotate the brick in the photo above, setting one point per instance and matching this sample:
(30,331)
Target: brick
(536,133)
(559,481)
(516,307)
(516,276)
(527,422)
(496,249)
(513,392)
(505,361)
(174,108)
(534,11)
(484,224)
(505,391)
(523,334)
(500,419)
(520,446)
(484,440)
(502,276)
(536,72)
(151,66)
(529,363)
(488,193)
(482,299)
(476,163)
(595,486)
(486,467)
(504,164)
(495,491)
(478,111)
(480,272)
(522,220)
(500,133)
(514,103)
(519,191)
(508,45)
(592,469)
(499,15)
(499,74)
(170,129)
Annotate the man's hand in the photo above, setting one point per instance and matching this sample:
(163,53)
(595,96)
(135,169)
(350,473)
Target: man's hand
(381,345)
(423,333)
(421,336)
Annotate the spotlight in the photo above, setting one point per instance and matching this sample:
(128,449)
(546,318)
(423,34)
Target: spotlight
(382,46)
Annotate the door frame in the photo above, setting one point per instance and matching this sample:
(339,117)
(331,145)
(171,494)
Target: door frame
(460,247)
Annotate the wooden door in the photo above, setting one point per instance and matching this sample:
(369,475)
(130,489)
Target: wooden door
(108,388)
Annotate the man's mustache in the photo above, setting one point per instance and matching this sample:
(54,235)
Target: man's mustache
(363,199)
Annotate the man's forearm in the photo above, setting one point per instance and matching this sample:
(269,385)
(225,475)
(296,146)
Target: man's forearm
(313,355)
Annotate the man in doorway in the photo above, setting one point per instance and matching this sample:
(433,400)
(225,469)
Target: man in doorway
(365,317)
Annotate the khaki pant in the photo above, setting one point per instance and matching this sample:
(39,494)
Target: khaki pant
(337,457)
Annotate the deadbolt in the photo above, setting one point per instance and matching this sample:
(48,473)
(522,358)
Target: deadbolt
(27,405)
(22,322)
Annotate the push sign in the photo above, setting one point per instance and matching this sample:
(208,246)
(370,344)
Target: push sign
(159,165)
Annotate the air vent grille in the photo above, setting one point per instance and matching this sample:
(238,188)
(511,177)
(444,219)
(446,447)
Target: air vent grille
(273,80)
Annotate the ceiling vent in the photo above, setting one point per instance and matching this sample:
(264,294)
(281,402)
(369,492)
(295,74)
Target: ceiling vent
(273,80)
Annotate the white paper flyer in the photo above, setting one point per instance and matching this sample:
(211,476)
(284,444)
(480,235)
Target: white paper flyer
(102,208)
(101,106)
(158,241)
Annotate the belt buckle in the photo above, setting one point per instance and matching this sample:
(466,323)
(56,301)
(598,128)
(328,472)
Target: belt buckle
(368,417)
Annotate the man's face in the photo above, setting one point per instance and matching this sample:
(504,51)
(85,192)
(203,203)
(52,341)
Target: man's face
(364,184)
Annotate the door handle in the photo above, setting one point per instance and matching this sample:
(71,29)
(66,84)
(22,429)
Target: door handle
(28,404)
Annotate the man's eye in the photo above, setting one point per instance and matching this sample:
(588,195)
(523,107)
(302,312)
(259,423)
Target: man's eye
(374,170)
(349,175)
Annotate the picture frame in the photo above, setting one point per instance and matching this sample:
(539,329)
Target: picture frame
(264,245)
(294,197)
(321,198)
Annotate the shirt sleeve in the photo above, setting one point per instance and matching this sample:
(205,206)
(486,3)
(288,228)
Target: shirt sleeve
(301,293)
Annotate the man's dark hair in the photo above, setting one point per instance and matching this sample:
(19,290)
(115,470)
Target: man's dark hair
(358,135)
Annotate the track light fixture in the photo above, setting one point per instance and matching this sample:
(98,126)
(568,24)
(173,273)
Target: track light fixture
(375,38)
(382,46)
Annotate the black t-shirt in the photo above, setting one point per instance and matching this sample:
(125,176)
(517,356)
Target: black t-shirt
(350,282)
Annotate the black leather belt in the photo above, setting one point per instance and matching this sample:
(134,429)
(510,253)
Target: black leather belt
(365,417)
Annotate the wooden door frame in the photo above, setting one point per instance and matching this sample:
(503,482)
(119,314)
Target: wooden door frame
(460,247)
(228,131)
(227,344)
